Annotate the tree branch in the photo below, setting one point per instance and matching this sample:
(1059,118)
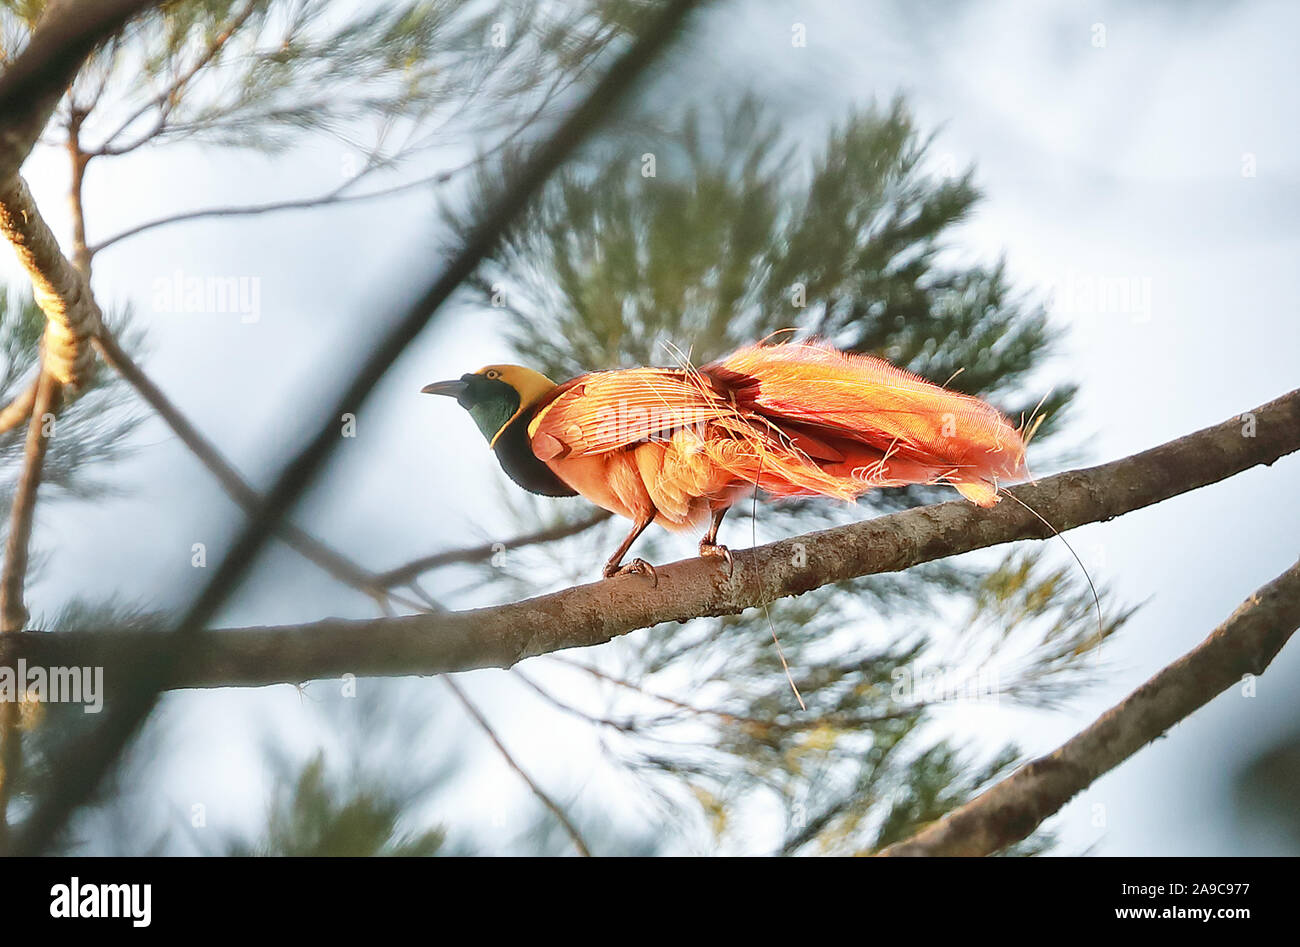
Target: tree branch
(587,615)
(1243,645)
(61,291)
(20,409)
(482,553)
(336,196)
(13,613)
(537,790)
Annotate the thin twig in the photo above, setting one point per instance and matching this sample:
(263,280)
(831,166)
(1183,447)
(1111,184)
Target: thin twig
(839,720)
(485,551)
(335,196)
(162,101)
(662,698)
(540,793)
(20,409)
(623,726)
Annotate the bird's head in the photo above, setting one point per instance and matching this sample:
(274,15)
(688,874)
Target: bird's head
(495,395)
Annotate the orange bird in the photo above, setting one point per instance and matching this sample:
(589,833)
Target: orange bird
(678,446)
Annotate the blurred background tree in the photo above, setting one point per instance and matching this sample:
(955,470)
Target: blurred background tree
(95,429)
(676,238)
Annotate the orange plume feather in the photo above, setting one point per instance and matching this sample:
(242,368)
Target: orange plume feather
(893,427)
(795,419)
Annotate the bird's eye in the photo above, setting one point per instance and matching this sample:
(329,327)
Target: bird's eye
(493,373)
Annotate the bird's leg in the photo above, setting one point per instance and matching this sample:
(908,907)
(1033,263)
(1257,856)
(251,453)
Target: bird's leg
(709,546)
(638,566)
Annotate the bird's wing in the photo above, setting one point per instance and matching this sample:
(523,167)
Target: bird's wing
(603,411)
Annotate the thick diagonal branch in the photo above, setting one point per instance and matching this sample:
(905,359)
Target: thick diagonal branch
(588,615)
(61,291)
(1243,645)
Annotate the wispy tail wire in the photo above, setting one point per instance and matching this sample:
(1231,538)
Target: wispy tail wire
(753,541)
(1095,597)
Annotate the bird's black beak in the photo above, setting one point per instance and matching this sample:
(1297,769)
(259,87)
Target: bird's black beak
(452,389)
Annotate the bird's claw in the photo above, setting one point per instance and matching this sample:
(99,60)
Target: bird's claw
(717,551)
(635,567)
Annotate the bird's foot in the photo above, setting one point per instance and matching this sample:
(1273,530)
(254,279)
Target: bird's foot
(710,550)
(635,567)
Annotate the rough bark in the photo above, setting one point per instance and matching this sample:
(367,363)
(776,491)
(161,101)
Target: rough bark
(72,315)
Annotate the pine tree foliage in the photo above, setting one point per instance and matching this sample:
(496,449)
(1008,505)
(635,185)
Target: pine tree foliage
(91,433)
(261,73)
(314,817)
(734,233)
(115,823)
(739,235)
